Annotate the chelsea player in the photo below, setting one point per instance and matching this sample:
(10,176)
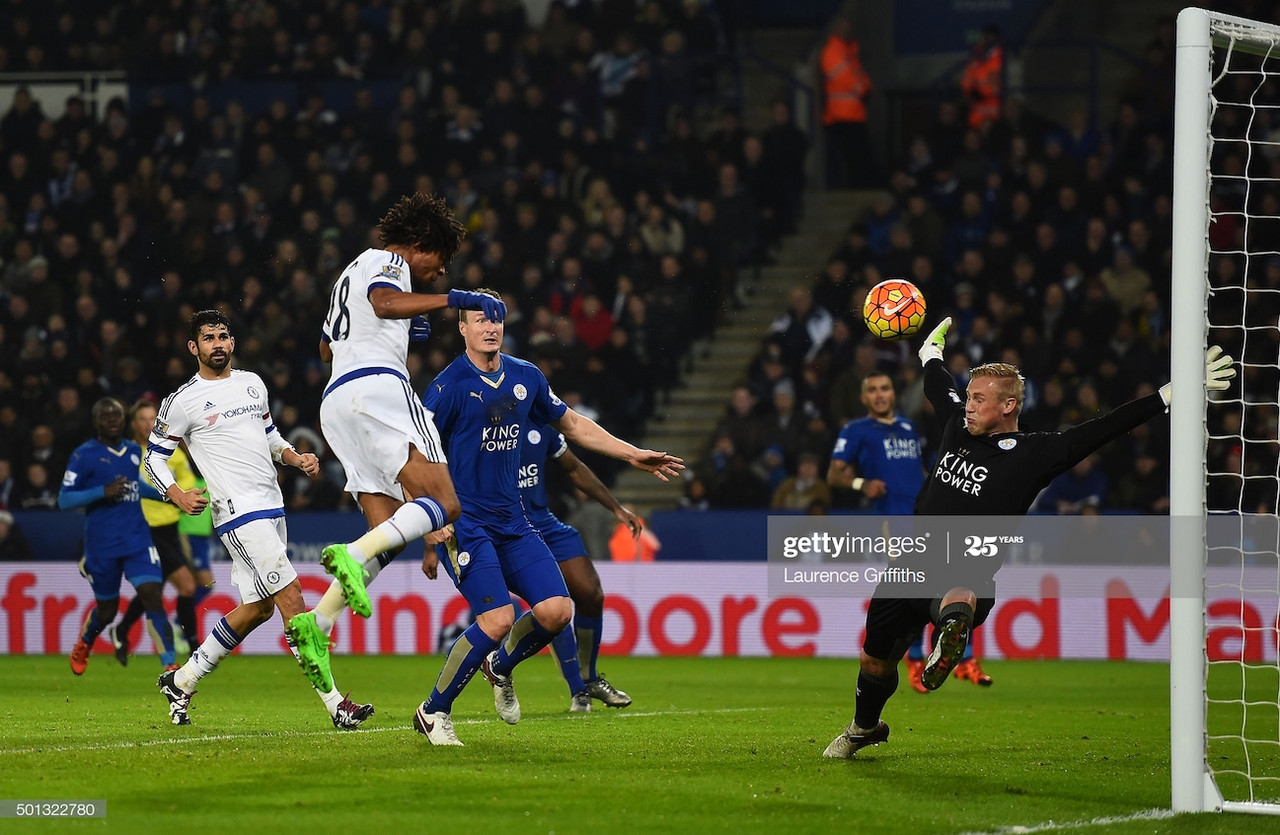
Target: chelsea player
(577,648)
(480,404)
(103,477)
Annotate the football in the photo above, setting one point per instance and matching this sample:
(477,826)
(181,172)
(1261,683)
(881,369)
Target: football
(894,309)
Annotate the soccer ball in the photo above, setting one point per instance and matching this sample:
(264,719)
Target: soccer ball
(894,309)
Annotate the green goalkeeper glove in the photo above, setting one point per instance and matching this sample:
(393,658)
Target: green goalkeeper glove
(1217,373)
(932,347)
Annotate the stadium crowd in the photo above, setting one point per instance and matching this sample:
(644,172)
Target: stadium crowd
(610,195)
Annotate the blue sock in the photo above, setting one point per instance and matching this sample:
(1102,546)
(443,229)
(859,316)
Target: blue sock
(92,627)
(201,593)
(589,632)
(459,666)
(565,647)
(526,638)
(919,649)
(160,623)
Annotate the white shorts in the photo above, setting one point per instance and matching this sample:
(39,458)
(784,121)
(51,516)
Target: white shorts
(260,564)
(369,423)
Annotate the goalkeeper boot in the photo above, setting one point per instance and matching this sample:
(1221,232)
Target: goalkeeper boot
(504,691)
(80,657)
(313,649)
(950,641)
(350,575)
(915,674)
(350,715)
(851,741)
(970,670)
(601,689)
(436,727)
(580,703)
(179,700)
(119,644)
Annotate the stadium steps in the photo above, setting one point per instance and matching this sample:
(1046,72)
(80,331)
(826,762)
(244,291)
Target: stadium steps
(683,425)
(777,50)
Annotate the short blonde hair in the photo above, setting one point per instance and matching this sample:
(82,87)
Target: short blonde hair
(1012,383)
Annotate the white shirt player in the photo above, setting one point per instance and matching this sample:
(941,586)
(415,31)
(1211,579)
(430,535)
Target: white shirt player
(227,426)
(361,342)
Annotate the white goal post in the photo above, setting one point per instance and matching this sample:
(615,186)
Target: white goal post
(1224,710)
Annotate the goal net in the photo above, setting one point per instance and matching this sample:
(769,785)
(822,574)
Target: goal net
(1225,583)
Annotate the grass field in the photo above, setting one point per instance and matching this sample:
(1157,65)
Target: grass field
(710,744)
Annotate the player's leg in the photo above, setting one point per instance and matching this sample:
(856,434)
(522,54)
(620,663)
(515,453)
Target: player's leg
(197,548)
(144,571)
(892,623)
(118,632)
(481,583)
(104,578)
(583,581)
(953,614)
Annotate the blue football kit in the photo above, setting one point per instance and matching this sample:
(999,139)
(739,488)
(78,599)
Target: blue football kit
(481,417)
(540,444)
(889,452)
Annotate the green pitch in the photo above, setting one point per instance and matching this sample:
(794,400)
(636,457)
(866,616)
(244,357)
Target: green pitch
(710,744)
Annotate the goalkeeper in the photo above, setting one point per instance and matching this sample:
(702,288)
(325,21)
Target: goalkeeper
(985,467)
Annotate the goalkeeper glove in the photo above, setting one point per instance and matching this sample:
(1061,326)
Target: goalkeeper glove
(419,329)
(1217,373)
(494,309)
(932,347)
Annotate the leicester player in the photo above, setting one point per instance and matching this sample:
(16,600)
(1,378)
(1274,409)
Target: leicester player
(985,467)
(577,647)
(481,403)
(223,415)
(393,459)
(102,477)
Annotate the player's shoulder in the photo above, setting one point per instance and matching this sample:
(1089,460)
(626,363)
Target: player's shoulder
(179,395)
(249,378)
(87,448)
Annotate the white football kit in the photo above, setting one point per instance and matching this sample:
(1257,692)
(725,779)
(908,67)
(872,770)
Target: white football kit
(369,414)
(227,426)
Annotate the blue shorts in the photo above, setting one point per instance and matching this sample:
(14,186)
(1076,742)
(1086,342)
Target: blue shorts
(564,540)
(138,568)
(486,563)
(199,546)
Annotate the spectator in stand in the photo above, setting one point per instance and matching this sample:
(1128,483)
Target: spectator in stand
(845,88)
(983,79)
(13,545)
(800,491)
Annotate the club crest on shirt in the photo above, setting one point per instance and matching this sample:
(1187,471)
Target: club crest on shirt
(464,558)
(520,391)
(253,392)
(535,437)
(1007,443)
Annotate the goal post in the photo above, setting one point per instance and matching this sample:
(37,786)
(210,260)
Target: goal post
(1224,745)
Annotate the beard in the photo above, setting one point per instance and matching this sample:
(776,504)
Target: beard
(217,362)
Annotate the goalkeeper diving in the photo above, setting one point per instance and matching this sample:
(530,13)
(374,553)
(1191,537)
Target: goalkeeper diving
(985,466)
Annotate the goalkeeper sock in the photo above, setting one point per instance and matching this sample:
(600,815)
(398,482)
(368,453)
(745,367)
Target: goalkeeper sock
(588,629)
(160,626)
(564,647)
(464,659)
(873,694)
(130,617)
(221,641)
(525,639)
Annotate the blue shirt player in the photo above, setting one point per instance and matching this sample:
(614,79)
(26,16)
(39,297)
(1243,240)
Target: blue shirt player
(576,648)
(879,455)
(102,477)
(481,403)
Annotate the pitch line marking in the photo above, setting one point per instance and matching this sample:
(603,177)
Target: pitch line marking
(151,743)
(1053,826)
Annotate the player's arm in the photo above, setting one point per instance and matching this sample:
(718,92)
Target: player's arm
(390,302)
(282,452)
(938,385)
(157,463)
(585,479)
(842,475)
(586,432)
(73,494)
(325,349)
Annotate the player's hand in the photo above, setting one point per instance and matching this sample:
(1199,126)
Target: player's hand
(664,466)
(934,343)
(495,310)
(419,329)
(191,502)
(1218,372)
(874,488)
(439,537)
(309,464)
(430,564)
(116,489)
(627,516)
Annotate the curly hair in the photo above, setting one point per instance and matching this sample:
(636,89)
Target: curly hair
(212,318)
(424,222)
